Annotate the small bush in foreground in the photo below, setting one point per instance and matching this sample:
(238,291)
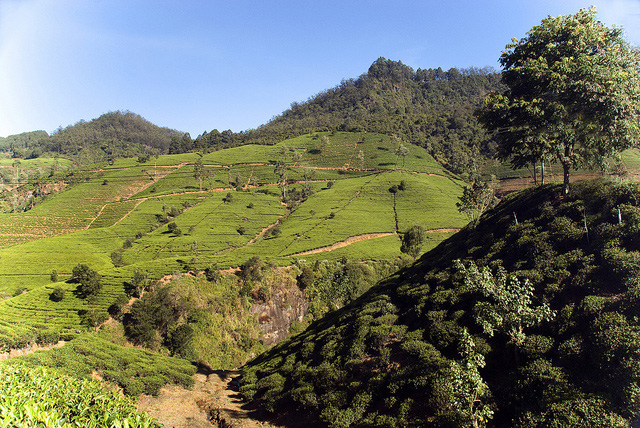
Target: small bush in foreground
(38,396)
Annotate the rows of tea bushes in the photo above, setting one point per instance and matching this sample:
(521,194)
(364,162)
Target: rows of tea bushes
(544,332)
(134,370)
(39,396)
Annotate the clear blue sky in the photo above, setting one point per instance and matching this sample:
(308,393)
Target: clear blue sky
(234,64)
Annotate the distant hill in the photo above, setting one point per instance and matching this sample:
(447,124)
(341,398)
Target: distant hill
(115,134)
(561,343)
(23,142)
(431,108)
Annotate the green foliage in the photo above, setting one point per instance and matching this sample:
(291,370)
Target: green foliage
(180,341)
(510,307)
(253,269)
(572,94)
(57,294)
(553,334)
(412,241)
(475,200)
(153,316)
(212,273)
(89,281)
(174,229)
(134,370)
(38,396)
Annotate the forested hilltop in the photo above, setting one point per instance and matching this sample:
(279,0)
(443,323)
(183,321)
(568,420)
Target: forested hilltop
(431,108)
(116,134)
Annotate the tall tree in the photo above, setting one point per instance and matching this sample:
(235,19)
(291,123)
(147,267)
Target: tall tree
(572,94)
(412,241)
(198,171)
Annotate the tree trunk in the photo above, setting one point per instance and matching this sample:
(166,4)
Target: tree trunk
(542,172)
(565,186)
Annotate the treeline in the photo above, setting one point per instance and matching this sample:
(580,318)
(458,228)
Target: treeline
(432,108)
(113,135)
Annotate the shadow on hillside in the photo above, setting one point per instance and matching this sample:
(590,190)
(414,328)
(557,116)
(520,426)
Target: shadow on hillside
(251,410)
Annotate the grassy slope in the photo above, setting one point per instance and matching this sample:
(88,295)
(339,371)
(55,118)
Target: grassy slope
(391,357)
(119,203)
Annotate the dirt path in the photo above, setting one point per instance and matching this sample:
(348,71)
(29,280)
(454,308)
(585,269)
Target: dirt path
(211,402)
(344,243)
(12,353)
(366,236)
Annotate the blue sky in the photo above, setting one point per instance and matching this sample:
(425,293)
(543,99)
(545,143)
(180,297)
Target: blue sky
(234,64)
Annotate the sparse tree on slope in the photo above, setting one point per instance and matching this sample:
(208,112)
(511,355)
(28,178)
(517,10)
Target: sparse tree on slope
(475,200)
(573,86)
(412,241)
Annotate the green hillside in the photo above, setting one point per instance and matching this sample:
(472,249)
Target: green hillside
(116,134)
(157,216)
(430,108)
(544,332)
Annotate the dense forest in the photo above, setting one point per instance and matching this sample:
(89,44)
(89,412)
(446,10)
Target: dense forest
(113,135)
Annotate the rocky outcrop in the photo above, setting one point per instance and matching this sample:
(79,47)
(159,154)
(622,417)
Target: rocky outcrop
(286,305)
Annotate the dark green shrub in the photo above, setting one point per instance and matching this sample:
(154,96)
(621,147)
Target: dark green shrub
(89,281)
(93,317)
(306,278)
(18,291)
(180,341)
(212,273)
(115,310)
(174,229)
(253,269)
(133,386)
(57,294)
(54,275)
(152,384)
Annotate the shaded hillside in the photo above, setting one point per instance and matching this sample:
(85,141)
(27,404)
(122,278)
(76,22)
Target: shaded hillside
(431,108)
(544,333)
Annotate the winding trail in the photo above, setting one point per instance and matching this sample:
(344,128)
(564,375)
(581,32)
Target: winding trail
(212,401)
(358,238)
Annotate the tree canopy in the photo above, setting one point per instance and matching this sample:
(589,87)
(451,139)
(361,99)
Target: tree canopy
(572,94)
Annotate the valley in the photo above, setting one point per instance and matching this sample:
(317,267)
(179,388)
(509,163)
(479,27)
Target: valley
(367,258)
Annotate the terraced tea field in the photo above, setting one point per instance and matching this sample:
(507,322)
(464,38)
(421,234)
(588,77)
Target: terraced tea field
(160,218)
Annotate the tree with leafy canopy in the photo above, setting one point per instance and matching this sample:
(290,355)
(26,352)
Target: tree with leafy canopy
(412,241)
(90,281)
(198,171)
(509,307)
(475,200)
(403,151)
(460,394)
(572,94)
